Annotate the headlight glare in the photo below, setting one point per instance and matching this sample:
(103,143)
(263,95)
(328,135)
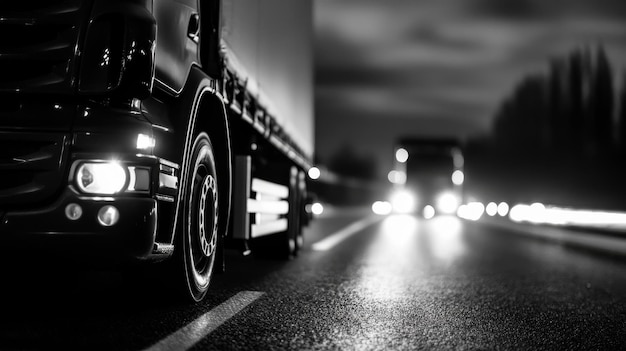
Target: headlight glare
(403,201)
(100,178)
(447,203)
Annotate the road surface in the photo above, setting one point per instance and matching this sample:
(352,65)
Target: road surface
(360,283)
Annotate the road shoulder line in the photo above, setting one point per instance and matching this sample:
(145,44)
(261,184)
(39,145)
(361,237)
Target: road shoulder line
(334,239)
(189,335)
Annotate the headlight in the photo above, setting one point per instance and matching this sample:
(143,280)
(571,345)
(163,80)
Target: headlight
(100,178)
(458,177)
(447,203)
(403,201)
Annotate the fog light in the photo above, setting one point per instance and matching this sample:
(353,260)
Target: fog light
(73,212)
(108,216)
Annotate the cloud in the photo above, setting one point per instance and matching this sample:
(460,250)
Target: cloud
(440,64)
(524,10)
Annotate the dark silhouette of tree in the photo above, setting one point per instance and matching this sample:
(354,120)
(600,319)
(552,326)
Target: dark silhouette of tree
(601,102)
(568,111)
(574,122)
(522,122)
(559,102)
(621,118)
(555,138)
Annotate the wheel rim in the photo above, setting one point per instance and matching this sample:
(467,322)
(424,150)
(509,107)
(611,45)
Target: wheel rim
(208,202)
(202,221)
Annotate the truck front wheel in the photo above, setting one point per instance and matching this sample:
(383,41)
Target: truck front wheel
(200,228)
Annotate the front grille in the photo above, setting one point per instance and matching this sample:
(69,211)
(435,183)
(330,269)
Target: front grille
(37,43)
(30,167)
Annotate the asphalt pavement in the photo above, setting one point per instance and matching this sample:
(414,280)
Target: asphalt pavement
(382,283)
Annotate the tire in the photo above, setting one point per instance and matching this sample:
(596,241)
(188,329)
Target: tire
(300,211)
(198,238)
(290,236)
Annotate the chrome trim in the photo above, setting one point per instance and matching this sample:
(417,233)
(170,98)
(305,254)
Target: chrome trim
(267,228)
(166,87)
(269,188)
(168,181)
(268,206)
(165,198)
(161,249)
(169,163)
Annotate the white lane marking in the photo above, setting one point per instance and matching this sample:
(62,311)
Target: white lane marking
(189,335)
(334,239)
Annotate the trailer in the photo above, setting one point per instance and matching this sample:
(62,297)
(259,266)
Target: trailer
(156,130)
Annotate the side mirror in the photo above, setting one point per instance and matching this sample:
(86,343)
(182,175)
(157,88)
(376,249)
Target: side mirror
(210,58)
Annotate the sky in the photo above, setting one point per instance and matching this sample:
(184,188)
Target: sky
(393,68)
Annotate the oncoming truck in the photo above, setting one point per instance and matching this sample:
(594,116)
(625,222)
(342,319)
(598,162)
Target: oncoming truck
(156,130)
(428,176)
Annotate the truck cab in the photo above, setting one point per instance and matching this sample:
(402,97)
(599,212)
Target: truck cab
(428,176)
(124,130)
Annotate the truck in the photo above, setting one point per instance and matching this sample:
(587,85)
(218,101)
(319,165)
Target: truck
(156,131)
(428,176)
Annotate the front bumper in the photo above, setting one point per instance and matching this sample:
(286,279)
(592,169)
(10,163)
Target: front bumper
(48,230)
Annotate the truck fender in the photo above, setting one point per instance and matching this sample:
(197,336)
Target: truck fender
(206,113)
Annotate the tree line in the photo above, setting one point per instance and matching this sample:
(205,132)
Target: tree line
(573,109)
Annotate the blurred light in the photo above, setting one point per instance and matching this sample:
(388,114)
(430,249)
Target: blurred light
(317,208)
(458,177)
(402,155)
(593,218)
(503,209)
(447,203)
(108,216)
(381,208)
(471,211)
(314,173)
(400,224)
(537,206)
(540,214)
(462,211)
(458,159)
(397,177)
(492,209)
(520,212)
(429,212)
(447,243)
(394,244)
(535,213)
(145,142)
(403,201)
